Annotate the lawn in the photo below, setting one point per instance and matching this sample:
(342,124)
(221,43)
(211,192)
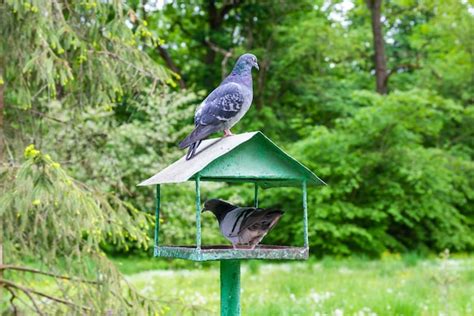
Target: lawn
(394,285)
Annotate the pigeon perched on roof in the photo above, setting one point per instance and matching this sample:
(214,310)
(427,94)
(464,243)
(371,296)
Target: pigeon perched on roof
(243,225)
(225,106)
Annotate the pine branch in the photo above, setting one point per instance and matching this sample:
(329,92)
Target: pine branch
(26,269)
(39,113)
(29,291)
(129,64)
(12,303)
(14,296)
(9,285)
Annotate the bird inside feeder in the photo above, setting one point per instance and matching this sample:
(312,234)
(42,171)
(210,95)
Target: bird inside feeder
(244,227)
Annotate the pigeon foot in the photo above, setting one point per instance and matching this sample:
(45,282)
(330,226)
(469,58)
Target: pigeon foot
(227,132)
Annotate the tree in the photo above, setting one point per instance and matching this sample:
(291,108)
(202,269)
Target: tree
(375,7)
(81,54)
(52,228)
(58,62)
(395,181)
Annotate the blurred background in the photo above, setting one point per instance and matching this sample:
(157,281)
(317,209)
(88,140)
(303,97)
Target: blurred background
(376,97)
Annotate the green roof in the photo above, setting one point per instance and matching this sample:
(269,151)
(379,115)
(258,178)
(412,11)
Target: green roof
(247,157)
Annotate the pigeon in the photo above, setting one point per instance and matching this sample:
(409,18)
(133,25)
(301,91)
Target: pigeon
(242,225)
(225,106)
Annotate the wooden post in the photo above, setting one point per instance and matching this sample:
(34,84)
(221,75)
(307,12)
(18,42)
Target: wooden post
(230,287)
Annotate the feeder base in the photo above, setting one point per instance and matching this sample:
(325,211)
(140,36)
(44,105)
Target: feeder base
(224,252)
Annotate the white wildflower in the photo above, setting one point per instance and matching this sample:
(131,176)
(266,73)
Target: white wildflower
(366,311)
(338,312)
(199,299)
(292,297)
(319,297)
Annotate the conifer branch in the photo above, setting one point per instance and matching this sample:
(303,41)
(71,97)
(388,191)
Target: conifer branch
(26,269)
(29,291)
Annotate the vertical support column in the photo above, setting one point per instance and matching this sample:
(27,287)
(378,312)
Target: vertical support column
(305,214)
(230,287)
(198,213)
(255,200)
(157,218)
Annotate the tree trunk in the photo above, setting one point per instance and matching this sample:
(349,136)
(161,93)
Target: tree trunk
(215,20)
(171,65)
(214,24)
(375,7)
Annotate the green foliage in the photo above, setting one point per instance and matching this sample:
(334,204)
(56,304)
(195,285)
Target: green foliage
(55,223)
(394,181)
(80,52)
(75,82)
(42,193)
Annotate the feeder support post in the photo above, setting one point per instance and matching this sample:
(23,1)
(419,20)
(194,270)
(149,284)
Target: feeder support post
(230,287)
(255,201)
(198,213)
(305,214)
(157,218)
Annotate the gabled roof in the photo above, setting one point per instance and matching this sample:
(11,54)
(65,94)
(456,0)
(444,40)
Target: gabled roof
(247,157)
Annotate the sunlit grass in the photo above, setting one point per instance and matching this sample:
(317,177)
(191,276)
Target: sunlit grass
(391,286)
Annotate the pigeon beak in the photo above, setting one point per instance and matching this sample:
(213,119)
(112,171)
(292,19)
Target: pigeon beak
(256,66)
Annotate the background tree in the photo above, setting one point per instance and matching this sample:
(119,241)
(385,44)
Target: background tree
(70,72)
(52,227)
(375,7)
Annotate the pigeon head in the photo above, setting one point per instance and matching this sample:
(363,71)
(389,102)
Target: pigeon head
(218,207)
(245,63)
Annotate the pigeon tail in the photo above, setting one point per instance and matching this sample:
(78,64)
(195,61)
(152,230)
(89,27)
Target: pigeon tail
(192,150)
(199,133)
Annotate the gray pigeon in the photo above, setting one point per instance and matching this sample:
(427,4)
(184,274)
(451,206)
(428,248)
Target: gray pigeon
(243,225)
(225,106)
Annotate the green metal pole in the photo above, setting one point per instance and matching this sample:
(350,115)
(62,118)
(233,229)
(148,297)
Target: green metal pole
(198,213)
(157,217)
(255,201)
(230,287)
(305,214)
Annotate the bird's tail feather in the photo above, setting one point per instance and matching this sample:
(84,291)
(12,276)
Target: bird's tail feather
(199,133)
(192,150)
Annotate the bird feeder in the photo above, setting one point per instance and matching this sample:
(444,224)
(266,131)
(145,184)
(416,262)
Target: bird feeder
(244,158)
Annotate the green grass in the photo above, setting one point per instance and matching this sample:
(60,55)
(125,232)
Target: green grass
(394,285)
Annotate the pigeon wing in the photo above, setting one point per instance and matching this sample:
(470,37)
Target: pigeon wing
(260,222)
(232,223)
(221,105)
(257,225)
(263,219)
